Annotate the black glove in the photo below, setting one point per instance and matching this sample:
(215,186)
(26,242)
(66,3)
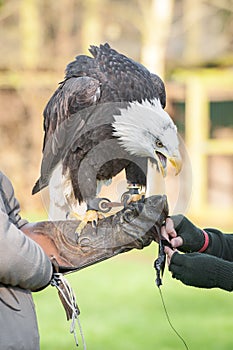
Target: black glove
(202,270)
(193,237)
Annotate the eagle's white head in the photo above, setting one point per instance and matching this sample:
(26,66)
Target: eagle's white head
(146,130)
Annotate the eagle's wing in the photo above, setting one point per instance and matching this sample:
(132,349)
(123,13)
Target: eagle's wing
(160,88)
(65,115)
(126,80)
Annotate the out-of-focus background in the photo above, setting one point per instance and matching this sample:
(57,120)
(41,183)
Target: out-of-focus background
(189,44)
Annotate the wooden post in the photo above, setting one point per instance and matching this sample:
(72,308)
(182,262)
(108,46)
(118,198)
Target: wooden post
(157,19)
(30,33)
(197,133)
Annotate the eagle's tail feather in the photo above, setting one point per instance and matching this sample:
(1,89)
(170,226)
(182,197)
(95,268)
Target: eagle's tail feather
(39,185)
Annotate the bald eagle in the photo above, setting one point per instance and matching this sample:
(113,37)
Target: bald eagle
(107,115)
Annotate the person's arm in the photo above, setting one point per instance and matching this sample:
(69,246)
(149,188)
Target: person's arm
(220,244)
(208,270)
(187,237)
(200,270)
(22,262)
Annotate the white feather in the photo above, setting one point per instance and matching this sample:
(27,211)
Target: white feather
(141,124)
(62,199)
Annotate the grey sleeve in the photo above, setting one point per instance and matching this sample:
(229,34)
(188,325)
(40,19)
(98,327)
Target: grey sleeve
(23,263)
(9,203)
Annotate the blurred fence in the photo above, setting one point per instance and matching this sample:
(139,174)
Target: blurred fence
(207,99)
(38,38)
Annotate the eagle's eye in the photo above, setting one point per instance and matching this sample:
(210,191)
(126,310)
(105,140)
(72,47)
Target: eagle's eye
(159,144)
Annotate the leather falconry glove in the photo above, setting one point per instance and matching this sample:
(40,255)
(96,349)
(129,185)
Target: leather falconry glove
(134,227)
(202,270)
(193,237)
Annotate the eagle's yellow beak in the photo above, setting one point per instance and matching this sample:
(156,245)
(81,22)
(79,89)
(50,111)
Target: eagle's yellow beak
(176,161)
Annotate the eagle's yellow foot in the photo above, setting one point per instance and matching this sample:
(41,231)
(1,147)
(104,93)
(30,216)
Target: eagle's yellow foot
(90,216)
(128,197)
(136,197)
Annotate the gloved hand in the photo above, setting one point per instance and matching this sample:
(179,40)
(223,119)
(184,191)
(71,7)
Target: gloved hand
(202,270)
(193,238)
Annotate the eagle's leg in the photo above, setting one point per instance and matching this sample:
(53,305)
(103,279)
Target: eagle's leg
(136,192)
(92,214)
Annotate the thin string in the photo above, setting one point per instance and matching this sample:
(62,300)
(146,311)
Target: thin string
(169,321)
(70,299)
